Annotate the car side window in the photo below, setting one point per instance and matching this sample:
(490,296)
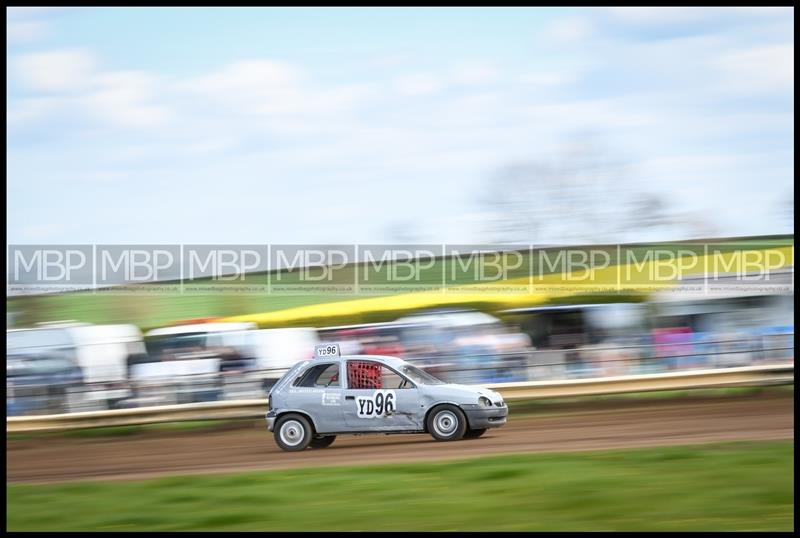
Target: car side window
(373,375)
(320,375)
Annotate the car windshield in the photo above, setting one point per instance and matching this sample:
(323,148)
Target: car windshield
(419,376)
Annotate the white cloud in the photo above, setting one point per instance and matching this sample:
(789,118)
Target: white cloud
(250,77)
(56,71)
(474,74)
(602,114)
(43,232)
(568,30)
(29,110)
(471,73)
(419,84)
(125,98)
(475,109)
(389,61)
(20,32)
(759,69)
(73,84)
(549,78)
(655,16)
(660,15)
(271,88)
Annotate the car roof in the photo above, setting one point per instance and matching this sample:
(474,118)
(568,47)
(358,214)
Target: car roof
(386,359)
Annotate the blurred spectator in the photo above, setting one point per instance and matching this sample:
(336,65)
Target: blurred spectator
(233,362)
(673,347)
(572,360)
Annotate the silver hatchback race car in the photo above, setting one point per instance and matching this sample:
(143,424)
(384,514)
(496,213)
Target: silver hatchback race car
(329,395)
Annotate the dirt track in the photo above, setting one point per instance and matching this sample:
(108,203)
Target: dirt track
(754,417)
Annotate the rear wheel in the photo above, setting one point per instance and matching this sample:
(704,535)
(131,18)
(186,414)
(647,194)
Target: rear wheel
(293,433)
(474,434)
(322,442)
(447,423)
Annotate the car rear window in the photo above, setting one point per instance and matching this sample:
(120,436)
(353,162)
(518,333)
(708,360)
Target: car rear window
(320,375)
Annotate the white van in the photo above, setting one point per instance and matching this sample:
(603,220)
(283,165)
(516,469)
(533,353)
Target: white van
(197,340)
(101,352)
(277,350)
(269,353)
(274,350)
(184,363)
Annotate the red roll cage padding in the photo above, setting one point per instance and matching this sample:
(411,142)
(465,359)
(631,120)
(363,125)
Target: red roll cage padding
(364,375)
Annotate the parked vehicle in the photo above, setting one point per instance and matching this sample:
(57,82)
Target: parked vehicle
(197,340)
(184,362)
(273,351)
(277,350)
(104,353)
(96,357)
(39,384)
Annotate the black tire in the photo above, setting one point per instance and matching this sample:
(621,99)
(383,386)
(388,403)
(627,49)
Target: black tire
(322,442)
(447,423)
(474,434)
(293,432)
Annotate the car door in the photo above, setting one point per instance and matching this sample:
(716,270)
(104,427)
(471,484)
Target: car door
(317,391)
(378,398)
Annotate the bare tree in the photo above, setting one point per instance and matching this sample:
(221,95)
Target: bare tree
(788,210)
(579,195)
(697,225)
(402,231)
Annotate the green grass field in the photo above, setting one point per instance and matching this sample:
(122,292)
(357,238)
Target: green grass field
(732,486)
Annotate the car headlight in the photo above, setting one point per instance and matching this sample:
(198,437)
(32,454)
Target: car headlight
(483,401)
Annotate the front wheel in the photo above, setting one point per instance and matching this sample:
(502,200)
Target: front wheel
(293,433)
(447,423)
(322,442)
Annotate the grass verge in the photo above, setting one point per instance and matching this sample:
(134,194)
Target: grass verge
(731,486)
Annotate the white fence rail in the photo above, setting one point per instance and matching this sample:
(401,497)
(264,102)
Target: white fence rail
(241,409)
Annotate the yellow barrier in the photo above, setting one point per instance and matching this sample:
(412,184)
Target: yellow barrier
(630,278)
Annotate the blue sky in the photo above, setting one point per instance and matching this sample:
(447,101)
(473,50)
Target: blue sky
(345,125)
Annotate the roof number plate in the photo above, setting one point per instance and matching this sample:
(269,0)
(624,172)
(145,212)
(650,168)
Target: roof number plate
(327,350)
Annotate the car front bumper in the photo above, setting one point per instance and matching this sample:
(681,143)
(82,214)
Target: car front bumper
(271,416)
(487,417)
